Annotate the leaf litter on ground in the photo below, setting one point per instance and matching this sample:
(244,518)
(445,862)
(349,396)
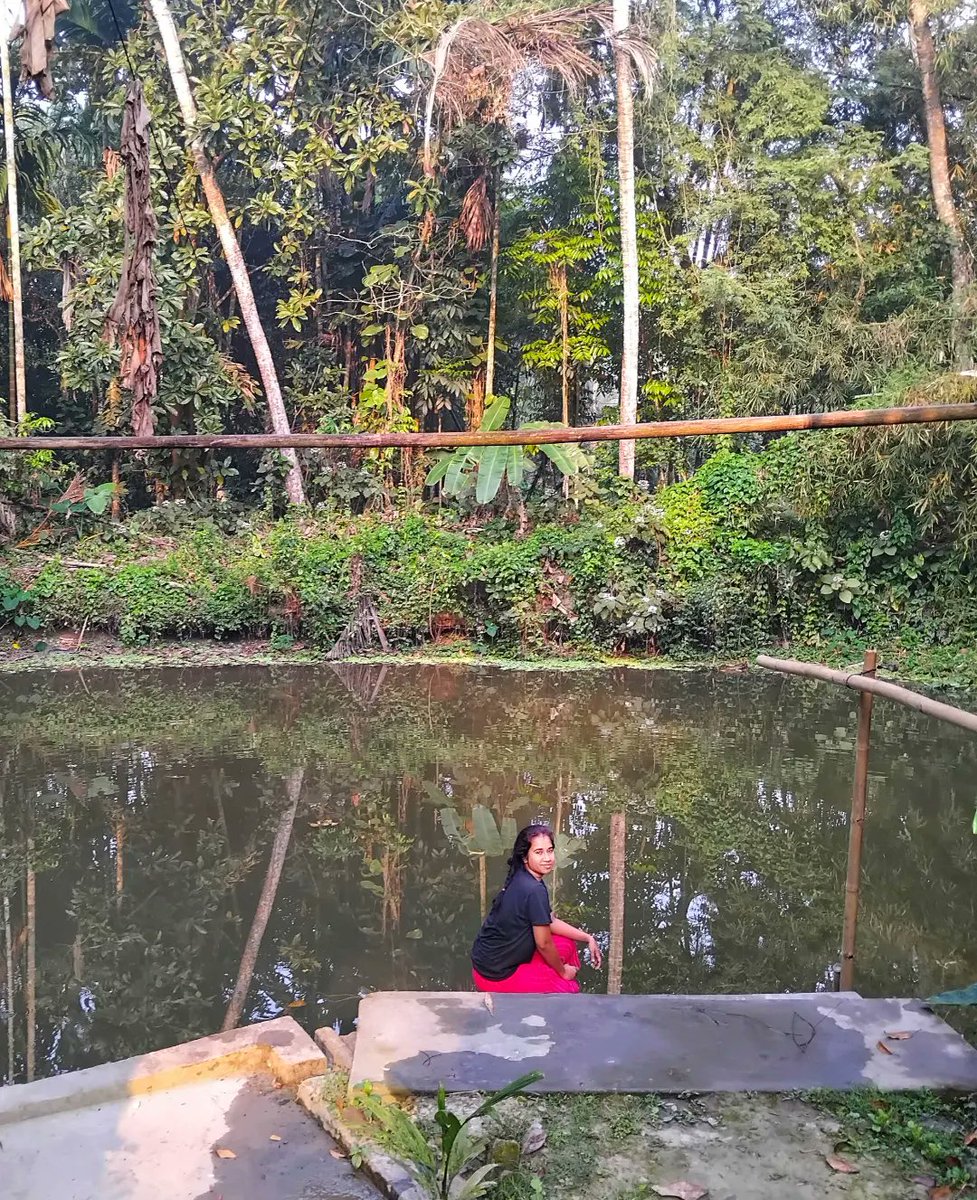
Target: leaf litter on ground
(841,1165)
(535,1138)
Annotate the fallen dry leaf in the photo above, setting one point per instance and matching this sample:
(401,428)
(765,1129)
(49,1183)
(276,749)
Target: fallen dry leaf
(899,1035)
(681,1189)
(223,1152)
(970,1138)
(274,1138)
(940,1193)
(337,1153)
(883,1047)
(535,1138)
(841,1165)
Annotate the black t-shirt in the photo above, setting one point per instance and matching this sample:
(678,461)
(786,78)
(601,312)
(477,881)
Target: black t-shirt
(506,940)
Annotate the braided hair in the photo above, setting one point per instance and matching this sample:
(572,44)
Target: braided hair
(520,850)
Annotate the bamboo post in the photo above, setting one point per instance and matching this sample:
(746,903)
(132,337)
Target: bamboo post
(9,957)
(856,829)
(616,871)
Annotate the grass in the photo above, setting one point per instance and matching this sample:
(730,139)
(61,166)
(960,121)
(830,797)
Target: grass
(919,1132)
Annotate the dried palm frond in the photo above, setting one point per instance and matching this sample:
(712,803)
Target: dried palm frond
(241,379)
(476,60)
(111,161)
(476,216)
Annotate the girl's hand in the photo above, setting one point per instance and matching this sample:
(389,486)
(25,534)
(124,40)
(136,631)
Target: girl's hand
(569,972)
(595,954)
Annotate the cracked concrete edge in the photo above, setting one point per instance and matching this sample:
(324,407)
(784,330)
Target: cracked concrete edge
(281,1048)
(389,1174)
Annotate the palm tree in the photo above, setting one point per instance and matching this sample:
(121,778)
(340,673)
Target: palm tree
(629,234)
(475,63)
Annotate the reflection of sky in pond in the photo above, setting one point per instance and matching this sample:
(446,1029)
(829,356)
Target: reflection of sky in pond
(152,801)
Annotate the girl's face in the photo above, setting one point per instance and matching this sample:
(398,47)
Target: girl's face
(541,858)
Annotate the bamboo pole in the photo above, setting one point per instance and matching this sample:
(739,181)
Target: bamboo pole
(266,903)
(845,419)
(30,976)
(9,956)
(13,231)
(616,871)
(856,830)
(878,687)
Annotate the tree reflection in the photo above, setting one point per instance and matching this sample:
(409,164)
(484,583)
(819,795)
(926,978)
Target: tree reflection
(703,824)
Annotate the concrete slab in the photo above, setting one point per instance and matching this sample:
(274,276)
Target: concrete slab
(414,1041)
(164,1143)
(280,1048)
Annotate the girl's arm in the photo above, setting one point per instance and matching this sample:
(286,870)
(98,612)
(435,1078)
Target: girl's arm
(562,929)
(543,937)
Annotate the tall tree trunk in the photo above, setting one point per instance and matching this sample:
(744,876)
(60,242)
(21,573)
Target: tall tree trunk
(629,238)
(13,229)
(493,301)
(228,238)
(616,869)
(11,356)
(8,943)
(960,264)
(563,295)
(266,901)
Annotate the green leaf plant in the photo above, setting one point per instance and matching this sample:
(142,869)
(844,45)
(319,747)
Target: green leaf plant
(439,1169)
(487,466)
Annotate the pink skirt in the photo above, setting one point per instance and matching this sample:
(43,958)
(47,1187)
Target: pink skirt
(536,975)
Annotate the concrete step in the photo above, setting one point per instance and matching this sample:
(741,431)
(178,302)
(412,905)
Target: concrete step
(414,1041)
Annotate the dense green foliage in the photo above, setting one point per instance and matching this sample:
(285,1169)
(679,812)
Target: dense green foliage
(790,253)
(790,258)
(754,550)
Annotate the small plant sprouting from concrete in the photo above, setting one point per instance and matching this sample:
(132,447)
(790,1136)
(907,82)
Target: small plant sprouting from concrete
(439,1169)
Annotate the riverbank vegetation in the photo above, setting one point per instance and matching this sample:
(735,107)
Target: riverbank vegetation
(754,550)
(431,215)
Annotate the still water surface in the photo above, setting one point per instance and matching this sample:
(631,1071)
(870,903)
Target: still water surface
(142,811)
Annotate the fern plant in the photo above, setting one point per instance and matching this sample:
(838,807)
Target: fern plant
(489,465)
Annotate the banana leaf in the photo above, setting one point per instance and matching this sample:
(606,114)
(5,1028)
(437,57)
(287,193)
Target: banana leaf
(491,467)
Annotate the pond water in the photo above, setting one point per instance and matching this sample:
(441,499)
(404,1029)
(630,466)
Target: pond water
(141,810)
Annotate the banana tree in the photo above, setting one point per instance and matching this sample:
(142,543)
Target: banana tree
(486,840)
(489,465)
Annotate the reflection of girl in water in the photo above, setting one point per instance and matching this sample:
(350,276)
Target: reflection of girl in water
(521,947)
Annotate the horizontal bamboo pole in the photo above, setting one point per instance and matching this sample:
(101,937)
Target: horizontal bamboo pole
(846,419)
(880,687)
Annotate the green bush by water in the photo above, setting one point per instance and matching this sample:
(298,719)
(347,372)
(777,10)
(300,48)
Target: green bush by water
(738,558)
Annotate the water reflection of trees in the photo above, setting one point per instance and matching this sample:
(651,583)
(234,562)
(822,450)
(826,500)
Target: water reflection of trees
(147,808)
